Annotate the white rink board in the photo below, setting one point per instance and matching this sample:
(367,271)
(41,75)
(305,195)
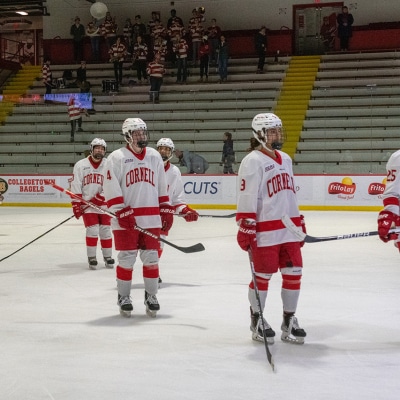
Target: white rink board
(217,191)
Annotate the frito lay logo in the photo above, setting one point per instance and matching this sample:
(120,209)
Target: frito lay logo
(377,188)
(345,187)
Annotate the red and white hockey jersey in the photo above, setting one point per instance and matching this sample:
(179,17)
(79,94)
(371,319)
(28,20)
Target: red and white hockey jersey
(138,181)
(391,195)
(175,187)
(266,192)
(88,180)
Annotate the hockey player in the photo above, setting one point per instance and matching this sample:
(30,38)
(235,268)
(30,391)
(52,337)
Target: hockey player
(389,217)
(135,188)
(165,147)
(266,192)
(88,183)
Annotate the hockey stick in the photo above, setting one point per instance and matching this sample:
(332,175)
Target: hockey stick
(191,249)
(34,240)
(313,239)
(210,216)
(253,274)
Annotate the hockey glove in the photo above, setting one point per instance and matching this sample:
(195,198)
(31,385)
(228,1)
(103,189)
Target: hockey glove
(167,217)
(190,215)
(77,209)
(303,228)
(246,236)
(98,200)
(386,221)
(126,219)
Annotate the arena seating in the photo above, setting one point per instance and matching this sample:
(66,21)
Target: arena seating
(351,122)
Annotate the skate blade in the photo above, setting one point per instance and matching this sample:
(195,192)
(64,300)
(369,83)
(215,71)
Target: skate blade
(257,338)
(292,339)
(151,313)
(125,314)
(93,267)
(109,266)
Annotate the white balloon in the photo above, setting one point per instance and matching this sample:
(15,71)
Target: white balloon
(98,10)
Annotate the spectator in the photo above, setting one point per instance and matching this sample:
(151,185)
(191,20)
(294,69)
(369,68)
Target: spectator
(127,34)
(93,32)
(47,76)
(204,54)
(78,33)
(140,199)
(140,59)
(228,154)
(75,112)
(156,71)
(117,55)
(345,22)
(261,48)
(109,30)
(214,34)
(160,46)
(181,51)
(174,19)
(223,56)
(88,183)
(327,33)
(81,80)
(194,163)
(196,34)
(138,29)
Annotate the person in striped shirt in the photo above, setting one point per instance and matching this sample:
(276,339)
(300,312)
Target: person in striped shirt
(156,71)
(75,112)
(117,53)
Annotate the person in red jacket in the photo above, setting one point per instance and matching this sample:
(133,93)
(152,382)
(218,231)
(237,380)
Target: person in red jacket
(204,55)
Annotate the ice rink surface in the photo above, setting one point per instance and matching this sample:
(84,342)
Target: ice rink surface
(62,337)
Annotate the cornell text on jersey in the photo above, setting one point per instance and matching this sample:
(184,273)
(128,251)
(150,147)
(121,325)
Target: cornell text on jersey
(141,174)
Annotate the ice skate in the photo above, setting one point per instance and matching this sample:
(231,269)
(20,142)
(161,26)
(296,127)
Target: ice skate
(151,303)
(92,262)
(291,331)
(125,305)
(109,262)
(256,328)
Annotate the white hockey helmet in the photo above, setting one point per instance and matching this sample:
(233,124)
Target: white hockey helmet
(98,142)
(132,125)
(166,142)
(261,124)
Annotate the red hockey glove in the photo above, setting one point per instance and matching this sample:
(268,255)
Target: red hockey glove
(303,228)
(167,217)
(98,200)
(190,215)
(246,236)
(77,209)
(126,219)
(387,220)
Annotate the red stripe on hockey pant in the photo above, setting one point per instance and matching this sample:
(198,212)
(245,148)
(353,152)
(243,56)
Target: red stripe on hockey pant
(262,284)
(150,271)
(124,274)
(291,282)
(91,241)
(90,219)
(106,243)
(104,219)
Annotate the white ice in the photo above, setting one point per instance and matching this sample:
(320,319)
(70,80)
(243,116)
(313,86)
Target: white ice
(62,337)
